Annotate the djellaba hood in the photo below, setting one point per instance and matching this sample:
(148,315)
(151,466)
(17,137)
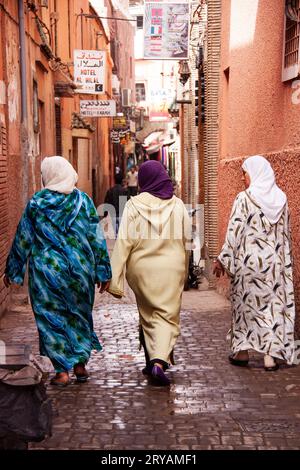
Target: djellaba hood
(154,210)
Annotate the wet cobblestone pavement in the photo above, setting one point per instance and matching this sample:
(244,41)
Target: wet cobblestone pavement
(210,404)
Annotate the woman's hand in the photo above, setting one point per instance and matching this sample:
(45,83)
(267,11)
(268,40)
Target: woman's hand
(103,286)
(218,269)
(6,281)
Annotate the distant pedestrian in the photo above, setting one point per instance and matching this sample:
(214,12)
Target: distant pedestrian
(132,182)
(151,249)
(257,257)
(116,197)
(60,235)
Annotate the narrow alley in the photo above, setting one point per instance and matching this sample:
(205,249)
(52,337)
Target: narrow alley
(153,144)
(210,405)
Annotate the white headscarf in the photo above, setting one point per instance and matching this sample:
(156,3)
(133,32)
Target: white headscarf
(263,187)
(58,175)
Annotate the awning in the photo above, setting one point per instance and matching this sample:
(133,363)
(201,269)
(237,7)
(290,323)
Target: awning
(153,137)
(167,143)
(153,148)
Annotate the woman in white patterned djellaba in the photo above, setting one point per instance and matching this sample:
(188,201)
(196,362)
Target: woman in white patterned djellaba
(257,257)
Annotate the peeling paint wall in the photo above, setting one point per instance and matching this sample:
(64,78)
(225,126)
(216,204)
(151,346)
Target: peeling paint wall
(22,142)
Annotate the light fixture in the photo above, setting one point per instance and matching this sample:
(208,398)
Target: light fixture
(184,71)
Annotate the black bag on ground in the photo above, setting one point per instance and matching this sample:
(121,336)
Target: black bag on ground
(25,414)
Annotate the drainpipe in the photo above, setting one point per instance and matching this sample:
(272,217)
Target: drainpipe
(24,110)
(212,77)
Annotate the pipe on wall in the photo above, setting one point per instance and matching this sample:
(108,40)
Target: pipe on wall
(211,131)
(24,109)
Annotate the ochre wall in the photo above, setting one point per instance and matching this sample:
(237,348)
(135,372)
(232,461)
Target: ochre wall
(257,114)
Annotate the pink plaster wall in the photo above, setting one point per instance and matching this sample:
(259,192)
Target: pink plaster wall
(257,116)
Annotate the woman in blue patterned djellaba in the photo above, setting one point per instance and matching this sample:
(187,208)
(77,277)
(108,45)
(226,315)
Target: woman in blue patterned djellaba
(60,235)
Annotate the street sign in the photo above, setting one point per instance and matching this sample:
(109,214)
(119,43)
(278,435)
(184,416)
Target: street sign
(89,71)
(120,122)
(97,108)
(166,31)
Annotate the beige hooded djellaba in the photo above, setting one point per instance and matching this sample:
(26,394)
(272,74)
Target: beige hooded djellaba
(151,251)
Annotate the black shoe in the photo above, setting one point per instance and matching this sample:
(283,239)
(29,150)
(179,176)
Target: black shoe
(237,362)
(147,370)
(159,376)
(272,369)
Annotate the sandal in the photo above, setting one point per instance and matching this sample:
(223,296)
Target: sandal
(83,376)
(272,368)
(237,362)
(58,383)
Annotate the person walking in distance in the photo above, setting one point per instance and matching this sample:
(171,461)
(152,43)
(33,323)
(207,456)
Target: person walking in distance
(132,182)
(115,199)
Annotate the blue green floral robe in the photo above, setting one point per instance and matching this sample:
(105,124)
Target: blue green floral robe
(61,236)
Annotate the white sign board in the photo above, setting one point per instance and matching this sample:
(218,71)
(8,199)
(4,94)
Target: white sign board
(98,108)
(166,30)
(89,71)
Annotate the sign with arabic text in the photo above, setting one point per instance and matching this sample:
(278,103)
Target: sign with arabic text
(89,71)
(119,136)
(166,32)
(97,108)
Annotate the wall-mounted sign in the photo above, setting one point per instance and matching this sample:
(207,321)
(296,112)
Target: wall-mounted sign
(160,102)
(97,108)
(119,136)
(89,71)
(166,30)
(120,122)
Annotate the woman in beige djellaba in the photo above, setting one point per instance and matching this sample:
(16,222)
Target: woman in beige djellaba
(257,256)
(152,249)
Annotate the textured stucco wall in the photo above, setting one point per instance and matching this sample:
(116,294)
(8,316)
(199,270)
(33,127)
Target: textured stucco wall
(286,166)
(257,113)
(257,110)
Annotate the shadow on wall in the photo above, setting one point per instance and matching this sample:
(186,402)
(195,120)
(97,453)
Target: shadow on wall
(257,114)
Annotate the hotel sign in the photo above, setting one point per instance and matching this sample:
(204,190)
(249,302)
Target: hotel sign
(97,108)
(89,71)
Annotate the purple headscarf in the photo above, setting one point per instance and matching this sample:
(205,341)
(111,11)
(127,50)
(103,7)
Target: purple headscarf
(154,179)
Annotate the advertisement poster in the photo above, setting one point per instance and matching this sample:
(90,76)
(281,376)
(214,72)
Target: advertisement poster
(160,102)
(97,108)
(89,71)
(166,31)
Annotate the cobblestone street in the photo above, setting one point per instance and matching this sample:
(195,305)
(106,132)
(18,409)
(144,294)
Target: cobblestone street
(210,405)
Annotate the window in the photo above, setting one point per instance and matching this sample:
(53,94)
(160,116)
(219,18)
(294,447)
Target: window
(291,56)
(140,92)
(140,22)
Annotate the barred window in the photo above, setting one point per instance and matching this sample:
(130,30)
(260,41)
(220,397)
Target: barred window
(291,58)
(140,22)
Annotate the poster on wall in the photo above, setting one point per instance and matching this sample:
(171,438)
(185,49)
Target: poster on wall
(160,102)
(166,30)
(97,108)
(89,71)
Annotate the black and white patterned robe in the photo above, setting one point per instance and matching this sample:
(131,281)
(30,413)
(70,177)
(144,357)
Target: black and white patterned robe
(257,256)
